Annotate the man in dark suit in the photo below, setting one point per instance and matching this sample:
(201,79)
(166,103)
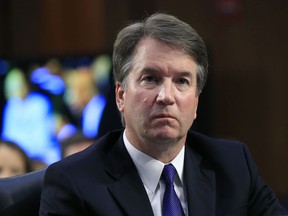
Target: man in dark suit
(155,166)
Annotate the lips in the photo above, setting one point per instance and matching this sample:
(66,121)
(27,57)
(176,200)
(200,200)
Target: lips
(164,116)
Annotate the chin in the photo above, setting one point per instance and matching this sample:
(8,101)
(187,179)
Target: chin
(165,135)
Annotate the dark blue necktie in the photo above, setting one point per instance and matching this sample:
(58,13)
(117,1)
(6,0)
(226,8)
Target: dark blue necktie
(171,202)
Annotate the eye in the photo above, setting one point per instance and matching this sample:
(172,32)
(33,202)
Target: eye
(15,170)
(183,81)
(150,79)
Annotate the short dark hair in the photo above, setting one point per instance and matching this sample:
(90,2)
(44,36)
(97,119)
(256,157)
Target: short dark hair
(165,28)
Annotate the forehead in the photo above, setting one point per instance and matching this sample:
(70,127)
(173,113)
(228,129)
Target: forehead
(150,52)
(10,155)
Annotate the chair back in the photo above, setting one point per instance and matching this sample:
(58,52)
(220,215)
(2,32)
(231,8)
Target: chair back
(20,195)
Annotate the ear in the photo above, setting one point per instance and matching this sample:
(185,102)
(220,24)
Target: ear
(120,96)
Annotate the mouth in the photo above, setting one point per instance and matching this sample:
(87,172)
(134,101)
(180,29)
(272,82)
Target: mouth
(164,116)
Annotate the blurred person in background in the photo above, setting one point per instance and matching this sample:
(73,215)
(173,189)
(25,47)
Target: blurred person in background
(28,119)
(13,160)
(84,100)
(75,143)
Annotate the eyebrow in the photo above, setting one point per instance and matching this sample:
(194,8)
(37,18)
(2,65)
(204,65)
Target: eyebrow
(155,70)
(150,70)
(186,74)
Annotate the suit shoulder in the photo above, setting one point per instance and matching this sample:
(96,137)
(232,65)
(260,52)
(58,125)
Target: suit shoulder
(94,154)
(216,149)
(198,138)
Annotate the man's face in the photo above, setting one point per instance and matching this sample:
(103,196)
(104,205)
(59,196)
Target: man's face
(160,100)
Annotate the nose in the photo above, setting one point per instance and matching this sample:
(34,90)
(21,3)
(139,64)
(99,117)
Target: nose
(166,94)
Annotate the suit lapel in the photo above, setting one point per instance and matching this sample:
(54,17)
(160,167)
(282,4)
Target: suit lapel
(128,189)
(200,184)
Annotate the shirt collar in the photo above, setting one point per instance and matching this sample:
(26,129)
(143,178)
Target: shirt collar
(150,169)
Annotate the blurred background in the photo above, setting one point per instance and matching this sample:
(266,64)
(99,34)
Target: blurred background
(58,54)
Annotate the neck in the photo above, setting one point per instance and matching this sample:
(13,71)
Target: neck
(162,150)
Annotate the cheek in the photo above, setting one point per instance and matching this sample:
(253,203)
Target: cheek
(190,104)
(138,102)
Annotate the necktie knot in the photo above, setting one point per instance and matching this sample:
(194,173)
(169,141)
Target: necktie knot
(168,174)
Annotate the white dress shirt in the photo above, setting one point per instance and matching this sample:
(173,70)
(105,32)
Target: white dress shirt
(150,171)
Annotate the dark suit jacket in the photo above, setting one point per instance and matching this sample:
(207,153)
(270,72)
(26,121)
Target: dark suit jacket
(220,177)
